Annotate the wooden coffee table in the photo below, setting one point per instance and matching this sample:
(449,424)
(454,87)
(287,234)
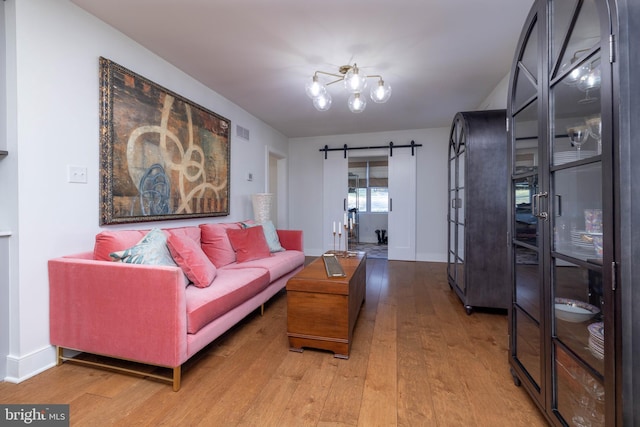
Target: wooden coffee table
(322,311)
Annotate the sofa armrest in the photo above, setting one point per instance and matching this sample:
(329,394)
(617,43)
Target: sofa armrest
(291,239)
(129,311)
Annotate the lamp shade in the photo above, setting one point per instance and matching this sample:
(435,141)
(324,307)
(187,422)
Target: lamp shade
(314,88)
(354,80)
(322,102)
(262,206)
(381,92)
(357,103)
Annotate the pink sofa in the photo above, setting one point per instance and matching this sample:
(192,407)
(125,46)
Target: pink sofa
(147,313)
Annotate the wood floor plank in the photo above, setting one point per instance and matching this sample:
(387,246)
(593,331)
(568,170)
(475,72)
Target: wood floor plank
(305,406)
(417,359)
(414,390)
(381,380)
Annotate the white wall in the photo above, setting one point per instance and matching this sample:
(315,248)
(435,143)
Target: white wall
(497,99)
(53,118)
(305,185)
(369,223)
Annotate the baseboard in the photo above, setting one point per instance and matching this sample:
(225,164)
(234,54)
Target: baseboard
(24,367)
(431,257)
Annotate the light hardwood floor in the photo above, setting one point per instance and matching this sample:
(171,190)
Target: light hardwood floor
(417,360)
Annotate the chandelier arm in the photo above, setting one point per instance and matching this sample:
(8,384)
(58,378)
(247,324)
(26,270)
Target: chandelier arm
(335,81)
(330,74)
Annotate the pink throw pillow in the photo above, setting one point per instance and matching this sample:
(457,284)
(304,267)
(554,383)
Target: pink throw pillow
(189,256)
(113,241)
(249,243)
(216,244)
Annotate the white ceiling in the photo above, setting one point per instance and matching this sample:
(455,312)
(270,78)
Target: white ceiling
(439,56)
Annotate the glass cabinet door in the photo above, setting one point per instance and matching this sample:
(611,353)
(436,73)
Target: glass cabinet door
(457,149)
(560,110)
(577,222)
(526,313)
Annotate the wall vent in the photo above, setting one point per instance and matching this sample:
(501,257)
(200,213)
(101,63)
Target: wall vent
(242,132)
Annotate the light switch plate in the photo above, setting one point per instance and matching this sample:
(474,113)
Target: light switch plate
(77,174)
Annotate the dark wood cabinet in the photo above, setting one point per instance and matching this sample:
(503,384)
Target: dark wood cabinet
(572,212)
(477,217)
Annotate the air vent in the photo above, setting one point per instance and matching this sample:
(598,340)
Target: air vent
(242,132)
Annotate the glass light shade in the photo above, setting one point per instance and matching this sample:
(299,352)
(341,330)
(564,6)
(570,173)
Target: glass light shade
(322,102)
(314,88)
(590,80)
(381,92)
(354,80)
(357,104)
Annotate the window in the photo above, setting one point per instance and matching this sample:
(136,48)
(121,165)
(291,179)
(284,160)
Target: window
(368,185)
(379,199)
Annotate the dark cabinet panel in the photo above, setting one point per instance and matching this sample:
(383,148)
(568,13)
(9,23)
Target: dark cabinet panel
(477,209)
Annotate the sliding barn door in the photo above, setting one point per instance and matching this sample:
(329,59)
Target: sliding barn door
(334,196)
(402,205)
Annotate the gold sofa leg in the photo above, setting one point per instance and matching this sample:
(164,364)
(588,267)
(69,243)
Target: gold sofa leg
(176,378)
(59,352)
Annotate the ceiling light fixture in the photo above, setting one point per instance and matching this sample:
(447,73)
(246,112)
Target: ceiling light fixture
(355,82)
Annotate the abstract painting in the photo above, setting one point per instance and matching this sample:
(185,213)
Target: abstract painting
(161,156)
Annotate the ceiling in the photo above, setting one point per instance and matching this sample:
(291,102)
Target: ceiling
(439,56)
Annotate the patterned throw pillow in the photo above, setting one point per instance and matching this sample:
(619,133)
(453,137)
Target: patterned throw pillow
(151,250)
(270,234)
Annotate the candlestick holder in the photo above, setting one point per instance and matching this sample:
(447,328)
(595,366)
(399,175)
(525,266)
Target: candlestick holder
(346,240)
(334,241)
(339,239)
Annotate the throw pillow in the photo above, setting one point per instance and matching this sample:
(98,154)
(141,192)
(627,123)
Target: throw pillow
(216,244)
(189,256)
(249,243)
(270,234)
(151,250)
(113,241)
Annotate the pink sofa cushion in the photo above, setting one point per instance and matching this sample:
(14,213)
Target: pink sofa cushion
(192,232)
(230,289)
(249,243)
(188,254)
(216,244)
(278,264)
(118,240)
(115,241)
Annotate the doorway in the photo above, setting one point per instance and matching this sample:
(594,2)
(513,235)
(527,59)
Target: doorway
(276,183)
(368,203)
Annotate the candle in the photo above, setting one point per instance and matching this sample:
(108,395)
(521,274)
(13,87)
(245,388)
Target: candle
(345,219)
(350,223)
(339,228)
(334,227)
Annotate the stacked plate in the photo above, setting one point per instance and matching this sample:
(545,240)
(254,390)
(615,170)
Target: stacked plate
(596,339)
(583,242)
(562,157)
